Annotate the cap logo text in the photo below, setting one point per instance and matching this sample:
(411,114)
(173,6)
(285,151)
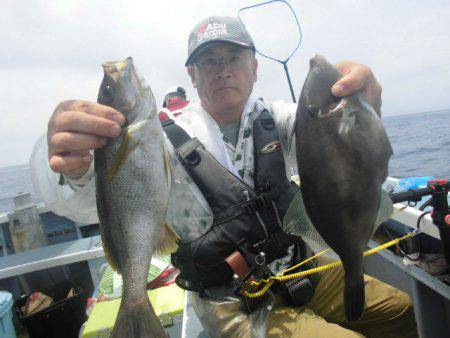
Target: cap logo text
(211,30)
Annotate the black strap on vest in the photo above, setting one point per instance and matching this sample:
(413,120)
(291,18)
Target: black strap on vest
(176,134)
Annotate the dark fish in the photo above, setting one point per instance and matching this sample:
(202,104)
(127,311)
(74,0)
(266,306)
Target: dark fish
(342,156)
(133,182)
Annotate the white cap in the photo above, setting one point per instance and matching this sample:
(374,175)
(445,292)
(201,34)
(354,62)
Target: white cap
(170,90)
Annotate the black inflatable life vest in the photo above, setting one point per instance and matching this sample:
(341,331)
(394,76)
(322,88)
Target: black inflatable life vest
(246,219)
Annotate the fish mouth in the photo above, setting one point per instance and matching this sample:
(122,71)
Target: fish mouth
(128,106)
(315,112)
(333,109)
(116,68)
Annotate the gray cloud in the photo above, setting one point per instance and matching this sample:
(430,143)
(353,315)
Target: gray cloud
(52,50)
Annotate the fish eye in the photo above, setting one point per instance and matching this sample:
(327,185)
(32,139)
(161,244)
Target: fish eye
(313,110)
(107,93)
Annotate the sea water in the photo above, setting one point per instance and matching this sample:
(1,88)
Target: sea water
(421,144)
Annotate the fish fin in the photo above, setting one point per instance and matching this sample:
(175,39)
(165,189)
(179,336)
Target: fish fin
(126,148)
(167,165)
(385,210)
(367,106)
(354,295)
(107,241)
(168,241)
(296,222)
(137,320)
(348,120)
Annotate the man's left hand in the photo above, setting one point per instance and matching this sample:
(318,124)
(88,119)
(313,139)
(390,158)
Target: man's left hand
(358,77)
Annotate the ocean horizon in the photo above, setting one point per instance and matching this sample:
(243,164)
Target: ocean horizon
(421,144)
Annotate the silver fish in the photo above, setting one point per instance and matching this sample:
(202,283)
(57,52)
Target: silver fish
(132,175)
(342,157)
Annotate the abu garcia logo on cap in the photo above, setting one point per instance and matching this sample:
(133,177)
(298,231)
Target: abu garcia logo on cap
(211,29)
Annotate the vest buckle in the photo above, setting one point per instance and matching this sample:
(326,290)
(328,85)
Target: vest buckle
(260,202)
(256,204)
(193,158)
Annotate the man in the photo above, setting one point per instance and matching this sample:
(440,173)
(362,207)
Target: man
(173,104)
(221,142)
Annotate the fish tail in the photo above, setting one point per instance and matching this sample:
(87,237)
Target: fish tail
(137,320)
(354,294)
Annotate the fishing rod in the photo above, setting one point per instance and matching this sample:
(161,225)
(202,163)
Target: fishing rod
(285,61)
(438,189)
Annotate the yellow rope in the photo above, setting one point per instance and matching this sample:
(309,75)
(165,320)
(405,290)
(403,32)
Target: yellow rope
(305,261)
(281,277)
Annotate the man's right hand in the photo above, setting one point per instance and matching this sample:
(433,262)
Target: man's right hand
(75,128)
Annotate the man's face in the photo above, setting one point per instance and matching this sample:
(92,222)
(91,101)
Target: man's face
(224,76)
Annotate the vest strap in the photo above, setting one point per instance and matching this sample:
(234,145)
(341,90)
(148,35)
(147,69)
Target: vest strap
(188,154)
(176,134)
(246,220)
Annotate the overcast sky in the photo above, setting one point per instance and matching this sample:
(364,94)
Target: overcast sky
(53,50)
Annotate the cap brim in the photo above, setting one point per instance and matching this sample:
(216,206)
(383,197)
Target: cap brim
(196,52)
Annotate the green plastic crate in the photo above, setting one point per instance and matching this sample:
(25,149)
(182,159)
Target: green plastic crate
(167,301)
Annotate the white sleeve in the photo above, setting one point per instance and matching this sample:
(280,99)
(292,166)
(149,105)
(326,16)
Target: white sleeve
(284,116)
(78,205)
